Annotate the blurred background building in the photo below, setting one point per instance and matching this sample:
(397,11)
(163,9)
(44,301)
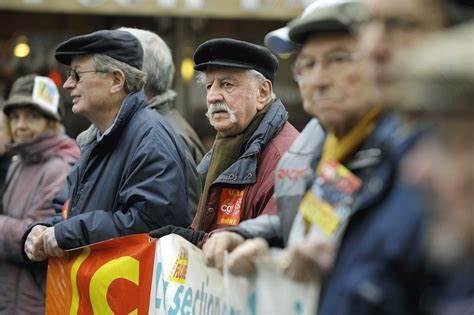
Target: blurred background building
(32,28)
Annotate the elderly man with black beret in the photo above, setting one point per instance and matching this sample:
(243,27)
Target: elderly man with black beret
(131,177)
(252,134)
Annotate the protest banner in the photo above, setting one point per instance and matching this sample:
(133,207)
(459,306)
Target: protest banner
(140,275)
(111,277)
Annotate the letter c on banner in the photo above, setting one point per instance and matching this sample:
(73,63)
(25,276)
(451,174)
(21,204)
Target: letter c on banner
(121,268)
(73,277)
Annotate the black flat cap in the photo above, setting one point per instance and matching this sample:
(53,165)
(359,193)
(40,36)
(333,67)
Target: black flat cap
(232,53)
(119,45)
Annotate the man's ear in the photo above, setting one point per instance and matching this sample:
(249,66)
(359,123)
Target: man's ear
(118,81)
(264,94)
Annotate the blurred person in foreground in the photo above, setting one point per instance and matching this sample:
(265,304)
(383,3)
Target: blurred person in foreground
(252,135)
(437,89)
(345,217)
(391,27)
(43,155)
(159,68)
(131,177)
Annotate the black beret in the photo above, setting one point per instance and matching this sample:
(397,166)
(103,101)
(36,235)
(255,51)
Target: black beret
(119,45)
(232,53)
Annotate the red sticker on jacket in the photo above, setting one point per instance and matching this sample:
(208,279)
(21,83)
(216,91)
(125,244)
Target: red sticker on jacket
(65,209)
(229,206)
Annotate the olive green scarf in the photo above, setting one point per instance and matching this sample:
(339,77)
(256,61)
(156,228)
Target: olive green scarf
(225,152)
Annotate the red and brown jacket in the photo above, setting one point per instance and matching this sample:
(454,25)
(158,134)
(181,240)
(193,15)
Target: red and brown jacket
(245,190)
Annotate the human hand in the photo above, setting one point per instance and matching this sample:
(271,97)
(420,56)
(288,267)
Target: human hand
(216,246)
(189,234)
(241,261)
(50,244)
(34,244)
(308,261)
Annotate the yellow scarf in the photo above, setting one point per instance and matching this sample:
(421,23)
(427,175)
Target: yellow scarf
(340,149)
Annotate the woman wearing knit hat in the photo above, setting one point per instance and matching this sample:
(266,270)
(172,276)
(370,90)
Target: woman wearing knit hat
(43,157)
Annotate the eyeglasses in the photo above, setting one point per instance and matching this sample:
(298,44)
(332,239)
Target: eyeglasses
(303,67)
(76,75)
(393,26)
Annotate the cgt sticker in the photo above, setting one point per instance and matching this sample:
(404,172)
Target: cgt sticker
(229,206)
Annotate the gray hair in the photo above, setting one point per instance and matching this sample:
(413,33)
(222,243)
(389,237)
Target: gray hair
(134,79)
(260,77)
(157,61)
(201,77)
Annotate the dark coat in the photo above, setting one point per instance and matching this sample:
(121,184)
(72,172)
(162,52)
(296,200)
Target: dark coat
(131,181)
(254,171)
(191,144)
(379,267)
(163,104)
(456,294)
(5,160)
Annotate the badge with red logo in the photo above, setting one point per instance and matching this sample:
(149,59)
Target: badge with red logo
(229,206)
(65,209)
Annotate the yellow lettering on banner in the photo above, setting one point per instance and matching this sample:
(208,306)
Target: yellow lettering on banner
(121,268)
(75,291)
(180,267)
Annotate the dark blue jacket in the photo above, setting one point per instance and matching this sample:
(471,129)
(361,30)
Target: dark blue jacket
(133,180)
(380,266)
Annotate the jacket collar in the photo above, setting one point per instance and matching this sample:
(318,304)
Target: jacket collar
(243,171)
(376,163)
(385,132)
(163,102)
(131,104)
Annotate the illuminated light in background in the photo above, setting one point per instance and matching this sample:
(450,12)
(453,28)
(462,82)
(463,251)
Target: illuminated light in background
(250,4)
(194,4)
(21,50)
(187,69)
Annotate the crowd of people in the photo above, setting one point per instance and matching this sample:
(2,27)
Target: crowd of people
(373,199)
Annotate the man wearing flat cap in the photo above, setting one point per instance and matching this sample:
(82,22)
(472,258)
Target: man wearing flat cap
(252,134)
(131,177)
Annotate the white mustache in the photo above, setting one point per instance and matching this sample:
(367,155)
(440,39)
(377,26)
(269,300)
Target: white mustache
(218,106)
(214,107)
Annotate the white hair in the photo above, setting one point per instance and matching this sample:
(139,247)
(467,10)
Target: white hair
(157,61)
(134,79)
